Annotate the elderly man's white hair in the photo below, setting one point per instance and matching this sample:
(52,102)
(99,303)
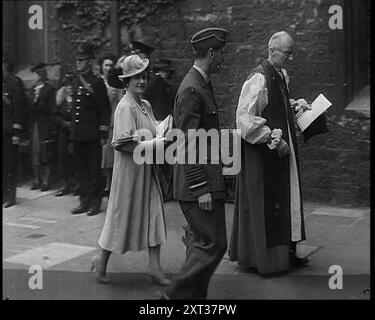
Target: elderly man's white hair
(279,38)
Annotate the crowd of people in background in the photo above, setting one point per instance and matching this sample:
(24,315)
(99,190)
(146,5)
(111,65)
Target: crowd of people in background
(69,127)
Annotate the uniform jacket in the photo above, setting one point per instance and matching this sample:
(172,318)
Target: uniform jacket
(195,108)
(43,110)
(91,109)
(14,106)
(64,113)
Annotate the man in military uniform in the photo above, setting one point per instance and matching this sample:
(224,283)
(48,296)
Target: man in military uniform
(14,120)
(91,117)
(64,117)
(200,188)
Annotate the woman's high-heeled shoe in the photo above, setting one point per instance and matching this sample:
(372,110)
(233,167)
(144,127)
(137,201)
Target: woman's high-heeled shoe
(100,275)
(157,277)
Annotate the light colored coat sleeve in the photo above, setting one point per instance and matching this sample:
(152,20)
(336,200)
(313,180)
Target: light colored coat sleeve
(124,127)
(253,99)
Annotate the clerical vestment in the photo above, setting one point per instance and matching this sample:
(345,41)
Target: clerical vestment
(268,213)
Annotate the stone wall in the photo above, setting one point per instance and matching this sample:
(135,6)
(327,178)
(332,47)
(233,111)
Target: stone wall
(335,166)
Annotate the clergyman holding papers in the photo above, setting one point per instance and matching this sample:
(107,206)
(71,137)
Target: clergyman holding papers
(268,216)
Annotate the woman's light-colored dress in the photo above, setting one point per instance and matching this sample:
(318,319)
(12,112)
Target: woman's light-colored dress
(135,216)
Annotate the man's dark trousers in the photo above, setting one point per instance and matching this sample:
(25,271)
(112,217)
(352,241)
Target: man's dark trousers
(10,163)
(90,178)
(205,250)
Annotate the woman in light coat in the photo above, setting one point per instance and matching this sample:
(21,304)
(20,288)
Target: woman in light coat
(135,216)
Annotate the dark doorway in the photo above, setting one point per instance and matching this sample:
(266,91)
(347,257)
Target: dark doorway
(357,25)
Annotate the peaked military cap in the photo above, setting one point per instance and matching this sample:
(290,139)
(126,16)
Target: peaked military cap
(85,51)
(163,64)
(138,46)
(214,38)
(38,66)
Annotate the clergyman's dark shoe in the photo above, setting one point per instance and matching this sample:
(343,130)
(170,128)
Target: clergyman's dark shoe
(8,204)
(80,209)
(93,212)
(62,192)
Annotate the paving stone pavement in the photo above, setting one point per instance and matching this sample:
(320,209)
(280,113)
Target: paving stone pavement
(41,230)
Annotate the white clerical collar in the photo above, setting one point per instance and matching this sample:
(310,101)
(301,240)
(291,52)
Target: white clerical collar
(204,74)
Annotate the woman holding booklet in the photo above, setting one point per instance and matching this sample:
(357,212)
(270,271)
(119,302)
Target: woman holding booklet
(135,216)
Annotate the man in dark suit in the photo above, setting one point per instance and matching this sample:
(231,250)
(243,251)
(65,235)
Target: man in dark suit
(43,127)
(14,121)
(200,188)
(161,92)
(91,117)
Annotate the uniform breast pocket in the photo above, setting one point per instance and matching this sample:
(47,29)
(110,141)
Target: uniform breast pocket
(210,118)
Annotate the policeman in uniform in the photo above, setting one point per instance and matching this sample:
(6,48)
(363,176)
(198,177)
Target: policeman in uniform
(200,188)
(91,117)
(14,121)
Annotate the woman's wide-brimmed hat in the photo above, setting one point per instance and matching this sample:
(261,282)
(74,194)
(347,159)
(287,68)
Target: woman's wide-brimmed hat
(133,65)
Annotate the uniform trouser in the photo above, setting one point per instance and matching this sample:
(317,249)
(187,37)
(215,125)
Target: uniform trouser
(205,250)
(91,181)
(10,163)
(65,157)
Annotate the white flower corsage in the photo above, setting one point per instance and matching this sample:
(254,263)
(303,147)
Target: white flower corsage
(276,135)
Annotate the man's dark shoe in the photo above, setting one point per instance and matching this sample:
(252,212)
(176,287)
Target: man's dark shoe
(93,212)
(80,209)
(298,262)
(8,204)
(45,187)
(62,192)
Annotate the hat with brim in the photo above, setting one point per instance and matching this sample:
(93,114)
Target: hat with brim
(205,39)
(38,66)
(85,51)
(164,65)
(113,78)
(133,65)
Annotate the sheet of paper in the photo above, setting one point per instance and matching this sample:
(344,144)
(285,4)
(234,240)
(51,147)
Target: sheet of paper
(164,126)
(319,105)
